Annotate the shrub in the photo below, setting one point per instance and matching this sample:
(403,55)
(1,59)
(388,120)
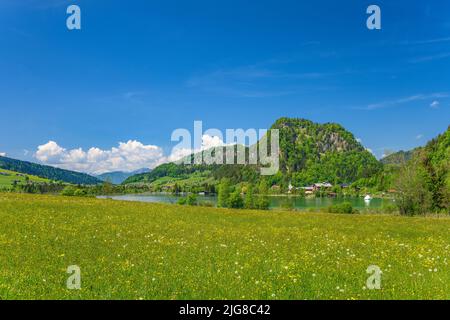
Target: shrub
(191,200)
(68,191)
(181,201)
(235,201)
(413,196)
(263,203)
(80,193)
(249,202)
(345,207)
(224,193)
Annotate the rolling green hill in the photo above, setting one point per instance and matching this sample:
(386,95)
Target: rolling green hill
(309,153)
(7,178)
(46,172)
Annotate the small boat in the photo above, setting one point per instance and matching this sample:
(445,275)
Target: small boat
(367,198)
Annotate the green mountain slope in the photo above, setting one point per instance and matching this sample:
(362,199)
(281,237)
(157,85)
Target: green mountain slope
(423,184)
(312,152)
(438,151)
(435,161)
(309,152)
(8,178)
(47,172)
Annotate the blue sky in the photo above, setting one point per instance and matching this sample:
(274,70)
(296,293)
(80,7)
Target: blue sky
(137,71)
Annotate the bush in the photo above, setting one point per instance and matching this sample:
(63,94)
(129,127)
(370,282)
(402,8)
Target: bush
(235,201)
(413,196)
(68,191)
(249,202)
(263,203)
(224,193)
(345,207)
(80,193)
(191,200)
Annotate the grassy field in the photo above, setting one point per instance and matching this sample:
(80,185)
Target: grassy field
(8,177)
(155,251)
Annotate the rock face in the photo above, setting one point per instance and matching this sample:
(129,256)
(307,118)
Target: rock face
(311,152)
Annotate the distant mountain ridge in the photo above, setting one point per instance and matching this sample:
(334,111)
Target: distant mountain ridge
(399,158)
(117,177)
(47,172)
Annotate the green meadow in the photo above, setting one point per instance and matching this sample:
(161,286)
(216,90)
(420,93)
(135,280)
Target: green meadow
(131,250)
(8,177)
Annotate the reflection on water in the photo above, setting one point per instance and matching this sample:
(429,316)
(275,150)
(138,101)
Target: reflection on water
(275,201)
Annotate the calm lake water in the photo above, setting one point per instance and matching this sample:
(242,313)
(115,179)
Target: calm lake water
(275,202)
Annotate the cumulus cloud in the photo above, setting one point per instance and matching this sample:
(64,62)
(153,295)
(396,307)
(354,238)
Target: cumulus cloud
(127,156)
(208,142)
(2,154)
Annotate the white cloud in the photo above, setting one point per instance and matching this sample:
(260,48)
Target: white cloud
(419,136)
(401,101)
(49,152)
(207,143)
(128,156)
(211,141)
(2,154)
(435,104)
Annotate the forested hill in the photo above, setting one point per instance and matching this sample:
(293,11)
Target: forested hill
(309,153)
(438,151)
(47,172)
(424,182)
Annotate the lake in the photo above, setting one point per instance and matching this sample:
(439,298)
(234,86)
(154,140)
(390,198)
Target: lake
(275,201)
